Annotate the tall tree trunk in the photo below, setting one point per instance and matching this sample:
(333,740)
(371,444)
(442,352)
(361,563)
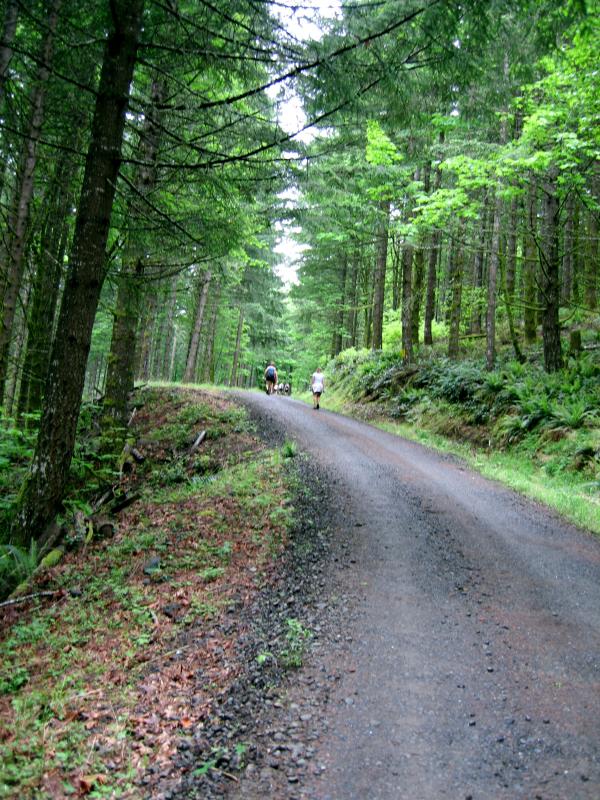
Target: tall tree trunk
(338,332)
(407,298)
(173,353)
(577,256)
(510,318)
(591,273)
(192,356)
(432,262)
(430,292)
(478,270)
(43,310)
(419,275)
(568,247)
(170,329)
(490,323)
(14,258)
(511,248)
(380,269)
(550,276)
(43,489)
(144,335)
(122,359)
(11,13)
(530,263)
(396,252)
(210,356)
(54,236)
(14,375)
(455,280)
(490,326)
(353,314)
(369,288)
(238,346)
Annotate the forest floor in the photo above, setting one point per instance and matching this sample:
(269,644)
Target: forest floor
(116,680)
(368,620)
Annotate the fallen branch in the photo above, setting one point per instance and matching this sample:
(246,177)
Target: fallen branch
(104,499)
(124,502)
(27,597)
(201,437)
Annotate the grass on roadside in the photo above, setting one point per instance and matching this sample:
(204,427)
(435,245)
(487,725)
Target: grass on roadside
(537,433)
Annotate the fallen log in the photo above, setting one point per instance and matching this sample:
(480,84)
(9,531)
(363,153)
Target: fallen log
(199,439)
(103,528)
(123,502)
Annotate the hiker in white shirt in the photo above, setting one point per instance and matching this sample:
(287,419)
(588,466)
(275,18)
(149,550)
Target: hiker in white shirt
(317,384)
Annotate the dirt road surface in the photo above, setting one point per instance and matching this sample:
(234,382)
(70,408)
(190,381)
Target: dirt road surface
(472,668)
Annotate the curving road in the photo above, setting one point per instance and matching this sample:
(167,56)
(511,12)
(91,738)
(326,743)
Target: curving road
(474,669)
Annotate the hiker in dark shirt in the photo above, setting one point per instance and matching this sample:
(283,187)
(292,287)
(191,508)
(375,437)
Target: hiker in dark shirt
(270,377)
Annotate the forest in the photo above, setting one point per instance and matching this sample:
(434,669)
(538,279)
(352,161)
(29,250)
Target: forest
(404,193)
(164,221)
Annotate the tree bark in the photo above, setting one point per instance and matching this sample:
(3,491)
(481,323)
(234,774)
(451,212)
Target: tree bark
(530,262)
(238,346)
(396,253)
(490,326)
(169,329)
(120,374)
(419,275)
(567,260)
(380,269)
(455,280)
(14,257)
(338,333)
(43,489)
(46,286)
(353,313)
(11,12)
(434,252)
(550,276)
(145,336)
(591,273)
(478,271)
(407,298)
(210,356)
(14,373)
(510,319)
(511,248)
(192,356)
(368,292)
(121,361)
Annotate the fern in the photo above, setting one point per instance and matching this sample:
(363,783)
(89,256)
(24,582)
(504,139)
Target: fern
(574,414)
(17,565)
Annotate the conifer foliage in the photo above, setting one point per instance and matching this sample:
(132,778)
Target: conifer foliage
(448,191)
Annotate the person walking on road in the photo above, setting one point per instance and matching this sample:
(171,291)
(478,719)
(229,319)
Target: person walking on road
(270,377)
(317,384)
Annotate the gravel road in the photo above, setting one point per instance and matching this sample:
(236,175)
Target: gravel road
(471,665)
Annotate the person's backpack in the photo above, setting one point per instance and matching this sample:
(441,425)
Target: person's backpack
(270,373)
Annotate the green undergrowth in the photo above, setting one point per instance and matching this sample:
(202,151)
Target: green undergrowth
(536,432)
(102,678)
